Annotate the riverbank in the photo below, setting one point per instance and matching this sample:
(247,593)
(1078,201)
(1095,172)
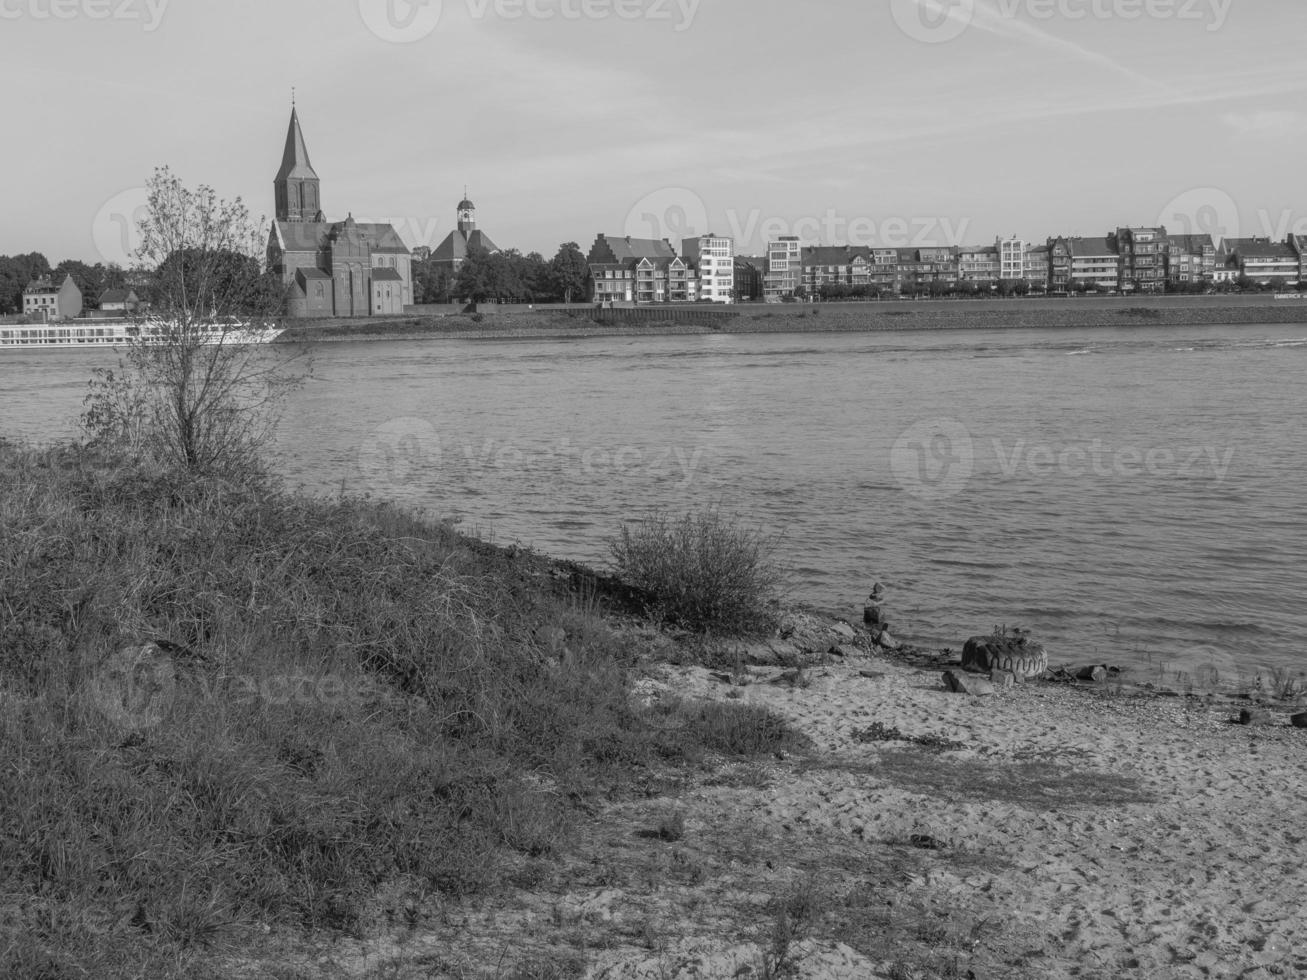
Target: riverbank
(248,734)
(1079,313)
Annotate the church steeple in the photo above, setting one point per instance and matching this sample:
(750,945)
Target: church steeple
(296,185)
(467,215)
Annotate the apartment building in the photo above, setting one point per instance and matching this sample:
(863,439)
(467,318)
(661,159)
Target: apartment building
(1263,260)
(1190,258)
(639,271)
(1142,259)
(1011,258)
(784,268)
(980,264)
(713,257)
(1093,263)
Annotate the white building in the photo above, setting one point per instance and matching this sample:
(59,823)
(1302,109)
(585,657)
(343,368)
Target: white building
(714,255)
(1012,258)
(784,268)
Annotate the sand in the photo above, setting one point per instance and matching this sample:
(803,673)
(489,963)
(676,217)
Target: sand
(1068,833)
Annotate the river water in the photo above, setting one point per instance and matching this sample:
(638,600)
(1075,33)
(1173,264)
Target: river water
(1132,497)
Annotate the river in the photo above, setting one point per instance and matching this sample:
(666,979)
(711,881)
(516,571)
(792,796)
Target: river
(1130,496)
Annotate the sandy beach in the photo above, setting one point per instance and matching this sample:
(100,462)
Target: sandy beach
(1047,831)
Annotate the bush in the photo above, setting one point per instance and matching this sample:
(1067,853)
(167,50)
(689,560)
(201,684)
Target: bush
(702,571)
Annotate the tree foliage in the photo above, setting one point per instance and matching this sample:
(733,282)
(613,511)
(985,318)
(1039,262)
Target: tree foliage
(192,390)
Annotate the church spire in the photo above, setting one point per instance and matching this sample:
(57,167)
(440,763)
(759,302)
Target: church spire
(296,185)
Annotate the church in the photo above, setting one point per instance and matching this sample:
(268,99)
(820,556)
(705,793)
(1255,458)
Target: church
(331,268)
(450,254)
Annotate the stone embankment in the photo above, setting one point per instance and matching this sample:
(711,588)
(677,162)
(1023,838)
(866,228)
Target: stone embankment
(826,317)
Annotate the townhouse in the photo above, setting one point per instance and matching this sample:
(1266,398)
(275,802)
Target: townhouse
(639,271)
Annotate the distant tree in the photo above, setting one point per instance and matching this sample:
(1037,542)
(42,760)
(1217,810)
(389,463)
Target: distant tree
(16,271)
(570,273)
(194,395)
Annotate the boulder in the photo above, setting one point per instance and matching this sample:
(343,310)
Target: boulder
(844,629)
(1096,673)
(1299,720)
(960,682)
(1016,653)
(1254,716)
(1002,679)
(886,641)
(873,615)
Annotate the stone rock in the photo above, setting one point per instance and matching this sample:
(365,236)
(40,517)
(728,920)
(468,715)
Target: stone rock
(1299,720)
(845,650)
(1002,679)
(873,615)
(1017,654)
(887,641)
(875,675)
(960,682)
(770,653)
(1096,673)
(845,630)
(1254,716)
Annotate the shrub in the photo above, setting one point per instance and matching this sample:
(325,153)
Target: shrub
(703,571)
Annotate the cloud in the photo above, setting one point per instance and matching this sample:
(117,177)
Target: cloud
(1264,122)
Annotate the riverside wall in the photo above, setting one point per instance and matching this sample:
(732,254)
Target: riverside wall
(1093,313)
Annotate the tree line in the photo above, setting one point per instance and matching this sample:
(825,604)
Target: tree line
(17,271)
(505,277)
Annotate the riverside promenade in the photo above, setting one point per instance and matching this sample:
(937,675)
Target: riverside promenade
(995,314)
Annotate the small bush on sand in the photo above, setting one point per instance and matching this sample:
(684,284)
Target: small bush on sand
(702,571)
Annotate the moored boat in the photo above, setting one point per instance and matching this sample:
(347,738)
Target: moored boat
(89,333)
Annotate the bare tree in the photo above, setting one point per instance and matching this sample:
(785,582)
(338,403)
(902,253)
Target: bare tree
(198,388)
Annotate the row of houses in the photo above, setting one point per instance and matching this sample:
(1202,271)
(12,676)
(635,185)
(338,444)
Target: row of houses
(639,271)
(44,300)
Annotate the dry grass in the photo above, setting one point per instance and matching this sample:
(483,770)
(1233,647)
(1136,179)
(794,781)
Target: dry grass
(353,703)
(703,571)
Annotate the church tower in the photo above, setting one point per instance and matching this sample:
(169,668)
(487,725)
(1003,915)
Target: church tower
(467,216)
(296,185)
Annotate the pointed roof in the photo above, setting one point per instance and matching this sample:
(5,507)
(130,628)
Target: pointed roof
(295,158)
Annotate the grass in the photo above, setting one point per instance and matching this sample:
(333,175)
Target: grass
(702,571)
(343,702)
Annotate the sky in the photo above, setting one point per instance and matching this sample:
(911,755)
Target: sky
(866,122)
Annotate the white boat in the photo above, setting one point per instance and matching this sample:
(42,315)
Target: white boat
(87,333)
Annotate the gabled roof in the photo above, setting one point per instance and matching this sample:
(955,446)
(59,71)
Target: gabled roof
(456,246)
(295,157)
(118,296)
(1260,248)
(1091,247)
(311,236)
(41,285)
(386,274)
(622,250)
(1191,243)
